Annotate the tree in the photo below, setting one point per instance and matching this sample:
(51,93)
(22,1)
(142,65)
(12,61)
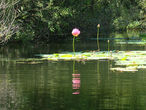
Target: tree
(43,20)
(8,16)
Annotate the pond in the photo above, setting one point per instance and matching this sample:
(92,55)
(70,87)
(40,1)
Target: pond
(68,85)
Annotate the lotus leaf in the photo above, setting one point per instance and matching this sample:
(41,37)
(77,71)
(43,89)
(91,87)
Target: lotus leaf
(132,60)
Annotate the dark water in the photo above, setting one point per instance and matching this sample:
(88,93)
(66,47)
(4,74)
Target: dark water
(53,85)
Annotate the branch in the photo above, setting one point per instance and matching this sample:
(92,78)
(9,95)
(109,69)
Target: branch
(7,20)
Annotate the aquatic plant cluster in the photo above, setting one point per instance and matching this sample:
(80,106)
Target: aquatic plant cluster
(123,60)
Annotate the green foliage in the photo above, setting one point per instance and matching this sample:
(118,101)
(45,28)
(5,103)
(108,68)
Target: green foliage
(134,25)
(26,35)
(120,23)
(42,19)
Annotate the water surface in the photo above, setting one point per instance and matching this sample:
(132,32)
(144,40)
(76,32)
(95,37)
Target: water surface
(53,85)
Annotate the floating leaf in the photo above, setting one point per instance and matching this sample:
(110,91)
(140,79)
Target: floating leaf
(66,55)
(132,60)
(123,59)
(128,69)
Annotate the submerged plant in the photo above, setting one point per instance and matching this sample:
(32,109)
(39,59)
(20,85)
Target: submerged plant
(75,33)
(98,26)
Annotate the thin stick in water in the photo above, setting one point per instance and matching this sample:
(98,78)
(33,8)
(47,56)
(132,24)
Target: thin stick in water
(98,26)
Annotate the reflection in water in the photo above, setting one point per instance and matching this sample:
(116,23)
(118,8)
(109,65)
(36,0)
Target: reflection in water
(49,86)
(9,97)
(98,73)
(75,81)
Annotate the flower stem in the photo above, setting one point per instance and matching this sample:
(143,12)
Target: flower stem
(73,44)
(108,45)
(74,67)
(98,39)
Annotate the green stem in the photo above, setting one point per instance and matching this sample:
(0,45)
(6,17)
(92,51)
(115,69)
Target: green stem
(108,45)
(98,39)
(73,44)
(74,67)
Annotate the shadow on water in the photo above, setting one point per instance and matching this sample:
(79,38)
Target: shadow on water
(53,85)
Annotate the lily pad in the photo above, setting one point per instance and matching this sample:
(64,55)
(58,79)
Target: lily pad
(127,69)
(132,60)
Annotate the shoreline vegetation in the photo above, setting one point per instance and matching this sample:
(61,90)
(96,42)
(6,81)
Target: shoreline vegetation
(41,20)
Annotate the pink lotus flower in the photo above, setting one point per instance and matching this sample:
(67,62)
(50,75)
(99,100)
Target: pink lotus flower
(75,32)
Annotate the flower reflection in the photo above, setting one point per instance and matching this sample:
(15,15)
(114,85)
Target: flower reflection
(76,83)
(76,92)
